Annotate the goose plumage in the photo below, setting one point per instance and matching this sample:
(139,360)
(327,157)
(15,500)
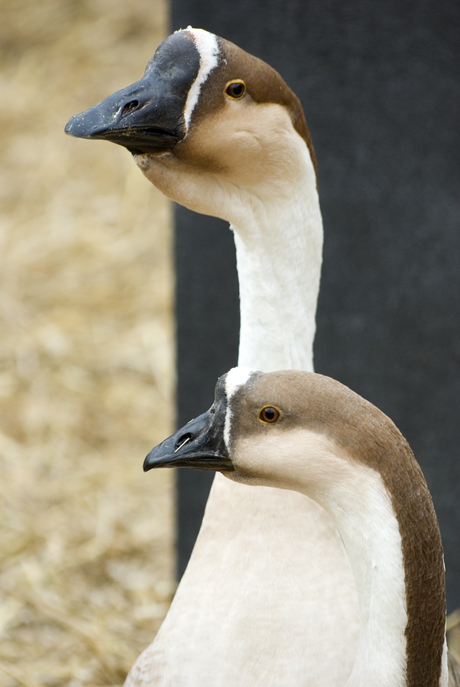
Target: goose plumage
(305,432)
(219,131)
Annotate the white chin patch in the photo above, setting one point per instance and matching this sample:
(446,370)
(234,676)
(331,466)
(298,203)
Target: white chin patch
(236,377)
(207,46)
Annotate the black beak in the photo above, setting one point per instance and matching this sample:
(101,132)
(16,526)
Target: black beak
(199,444)
(147,117)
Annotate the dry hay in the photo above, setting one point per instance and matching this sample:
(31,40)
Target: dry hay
(86,364)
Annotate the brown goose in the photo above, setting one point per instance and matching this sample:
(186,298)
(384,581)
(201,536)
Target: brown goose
(301,431)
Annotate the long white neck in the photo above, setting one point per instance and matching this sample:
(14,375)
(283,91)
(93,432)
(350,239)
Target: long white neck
(279,239)
(365,519)
(363,512)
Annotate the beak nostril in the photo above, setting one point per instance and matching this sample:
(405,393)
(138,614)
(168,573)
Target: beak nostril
(130,107)
(182,440)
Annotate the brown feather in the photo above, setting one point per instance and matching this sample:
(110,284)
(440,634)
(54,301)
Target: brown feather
(321,404)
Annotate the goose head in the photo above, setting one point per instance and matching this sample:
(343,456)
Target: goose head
(290,429)
(208,124)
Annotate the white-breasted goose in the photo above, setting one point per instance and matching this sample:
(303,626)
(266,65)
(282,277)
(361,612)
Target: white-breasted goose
(305,432)
(220,132)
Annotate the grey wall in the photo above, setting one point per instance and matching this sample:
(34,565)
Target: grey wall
(379,83)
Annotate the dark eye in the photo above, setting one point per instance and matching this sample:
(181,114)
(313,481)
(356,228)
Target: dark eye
(235,89)
(269,414)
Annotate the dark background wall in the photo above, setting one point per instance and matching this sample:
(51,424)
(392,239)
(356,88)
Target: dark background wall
(379,83)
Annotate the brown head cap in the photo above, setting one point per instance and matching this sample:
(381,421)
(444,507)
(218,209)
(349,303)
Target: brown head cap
(263,84)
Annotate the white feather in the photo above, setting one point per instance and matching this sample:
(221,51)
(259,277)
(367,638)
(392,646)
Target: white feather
(207,46)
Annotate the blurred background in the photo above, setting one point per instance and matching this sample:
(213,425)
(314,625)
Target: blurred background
(86,353)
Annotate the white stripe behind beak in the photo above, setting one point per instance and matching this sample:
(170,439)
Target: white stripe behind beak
(207,46)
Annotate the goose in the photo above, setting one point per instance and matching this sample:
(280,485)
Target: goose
(301,431)
(219,131)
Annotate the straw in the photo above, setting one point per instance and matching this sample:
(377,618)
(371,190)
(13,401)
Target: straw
(86,354)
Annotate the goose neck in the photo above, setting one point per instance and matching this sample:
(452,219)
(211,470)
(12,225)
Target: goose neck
(279,250)
(390,532)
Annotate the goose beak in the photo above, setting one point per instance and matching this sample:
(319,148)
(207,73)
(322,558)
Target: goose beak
(199,444)
(148,116)
(141,118)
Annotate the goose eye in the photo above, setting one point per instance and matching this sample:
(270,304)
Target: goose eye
(235,89)
(268,414)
